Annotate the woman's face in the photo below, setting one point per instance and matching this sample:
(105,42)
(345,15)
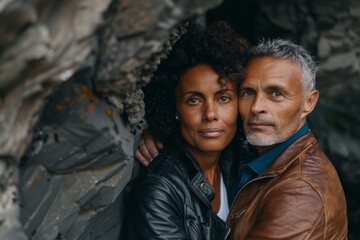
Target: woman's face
(207,109)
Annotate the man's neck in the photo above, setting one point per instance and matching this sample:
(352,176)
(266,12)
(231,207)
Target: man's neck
(263,149)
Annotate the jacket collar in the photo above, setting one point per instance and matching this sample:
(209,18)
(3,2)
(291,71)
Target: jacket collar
(262,162)
(198,183)
(286,158)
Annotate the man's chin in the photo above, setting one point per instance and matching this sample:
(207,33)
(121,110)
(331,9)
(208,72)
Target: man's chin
(261,141)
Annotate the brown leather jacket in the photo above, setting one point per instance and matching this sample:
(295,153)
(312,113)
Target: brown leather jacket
(298,197)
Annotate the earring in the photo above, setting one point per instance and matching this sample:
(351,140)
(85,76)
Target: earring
(177,117)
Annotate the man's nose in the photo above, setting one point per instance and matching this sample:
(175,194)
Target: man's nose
(258,105)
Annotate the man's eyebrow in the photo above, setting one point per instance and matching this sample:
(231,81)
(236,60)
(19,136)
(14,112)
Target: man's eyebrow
(275,87)
(241,87)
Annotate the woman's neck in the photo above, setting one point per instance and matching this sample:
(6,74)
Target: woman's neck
(208,162)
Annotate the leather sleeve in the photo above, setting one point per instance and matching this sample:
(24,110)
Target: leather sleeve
(154,211)
(292,210)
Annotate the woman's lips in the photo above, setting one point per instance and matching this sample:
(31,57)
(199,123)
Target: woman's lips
(214,132)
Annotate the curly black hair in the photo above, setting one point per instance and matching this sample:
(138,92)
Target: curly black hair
(218,46)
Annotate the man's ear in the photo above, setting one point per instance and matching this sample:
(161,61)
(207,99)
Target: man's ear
(310,102)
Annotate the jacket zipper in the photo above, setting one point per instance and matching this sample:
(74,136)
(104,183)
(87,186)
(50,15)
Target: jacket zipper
(237,215)
(227,232)
(234,216)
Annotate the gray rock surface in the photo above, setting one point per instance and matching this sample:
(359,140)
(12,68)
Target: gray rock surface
(80,157)
(79,161)
(42,43)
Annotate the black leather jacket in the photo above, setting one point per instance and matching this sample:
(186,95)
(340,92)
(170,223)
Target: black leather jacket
(172,200)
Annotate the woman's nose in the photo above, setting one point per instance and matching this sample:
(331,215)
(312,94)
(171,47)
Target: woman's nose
(210,113)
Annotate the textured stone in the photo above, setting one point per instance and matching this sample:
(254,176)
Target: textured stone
(132,35)
(329,44)
(79,161)
(81,154)
(10,227)
(42,44)
(339,62)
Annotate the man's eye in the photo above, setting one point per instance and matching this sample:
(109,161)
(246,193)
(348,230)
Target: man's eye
(277,94)
(247,92)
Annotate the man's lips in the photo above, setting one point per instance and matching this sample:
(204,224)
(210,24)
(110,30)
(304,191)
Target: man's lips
(211,132)
(259,125)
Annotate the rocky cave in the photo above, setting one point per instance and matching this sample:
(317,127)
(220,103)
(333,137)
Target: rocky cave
(71,107)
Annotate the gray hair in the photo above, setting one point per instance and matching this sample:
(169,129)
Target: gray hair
(285,49)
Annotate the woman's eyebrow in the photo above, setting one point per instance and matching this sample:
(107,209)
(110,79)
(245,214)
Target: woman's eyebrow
(193,93)
(225,90)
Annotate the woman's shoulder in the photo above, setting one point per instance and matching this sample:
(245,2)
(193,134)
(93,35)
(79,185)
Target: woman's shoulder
(164,174)
(167,164)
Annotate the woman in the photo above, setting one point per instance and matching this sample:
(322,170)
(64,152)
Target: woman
(192,107)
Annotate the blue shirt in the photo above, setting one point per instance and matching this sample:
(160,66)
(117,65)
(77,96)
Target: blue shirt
(254,165)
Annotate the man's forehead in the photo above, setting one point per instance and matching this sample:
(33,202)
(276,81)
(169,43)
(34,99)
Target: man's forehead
(270,66)
(272,72)
(271,60)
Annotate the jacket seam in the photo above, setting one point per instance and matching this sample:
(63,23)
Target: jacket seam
(296,156)
(302,158)
(299,178)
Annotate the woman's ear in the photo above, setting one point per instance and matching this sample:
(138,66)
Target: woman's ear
(310,102)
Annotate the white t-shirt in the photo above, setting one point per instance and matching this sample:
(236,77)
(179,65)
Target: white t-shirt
(224,206)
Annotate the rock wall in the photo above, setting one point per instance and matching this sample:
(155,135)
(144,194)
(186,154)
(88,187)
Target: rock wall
(42,44)
(92,57)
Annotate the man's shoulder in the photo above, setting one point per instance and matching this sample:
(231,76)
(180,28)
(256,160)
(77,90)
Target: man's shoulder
(314,161)
(315,168)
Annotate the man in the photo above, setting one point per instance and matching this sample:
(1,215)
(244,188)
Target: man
(291,190)
(288,189)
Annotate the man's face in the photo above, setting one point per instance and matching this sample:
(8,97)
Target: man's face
(272,103)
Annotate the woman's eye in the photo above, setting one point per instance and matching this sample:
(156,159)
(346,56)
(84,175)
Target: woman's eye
(193,101)
(224,99)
